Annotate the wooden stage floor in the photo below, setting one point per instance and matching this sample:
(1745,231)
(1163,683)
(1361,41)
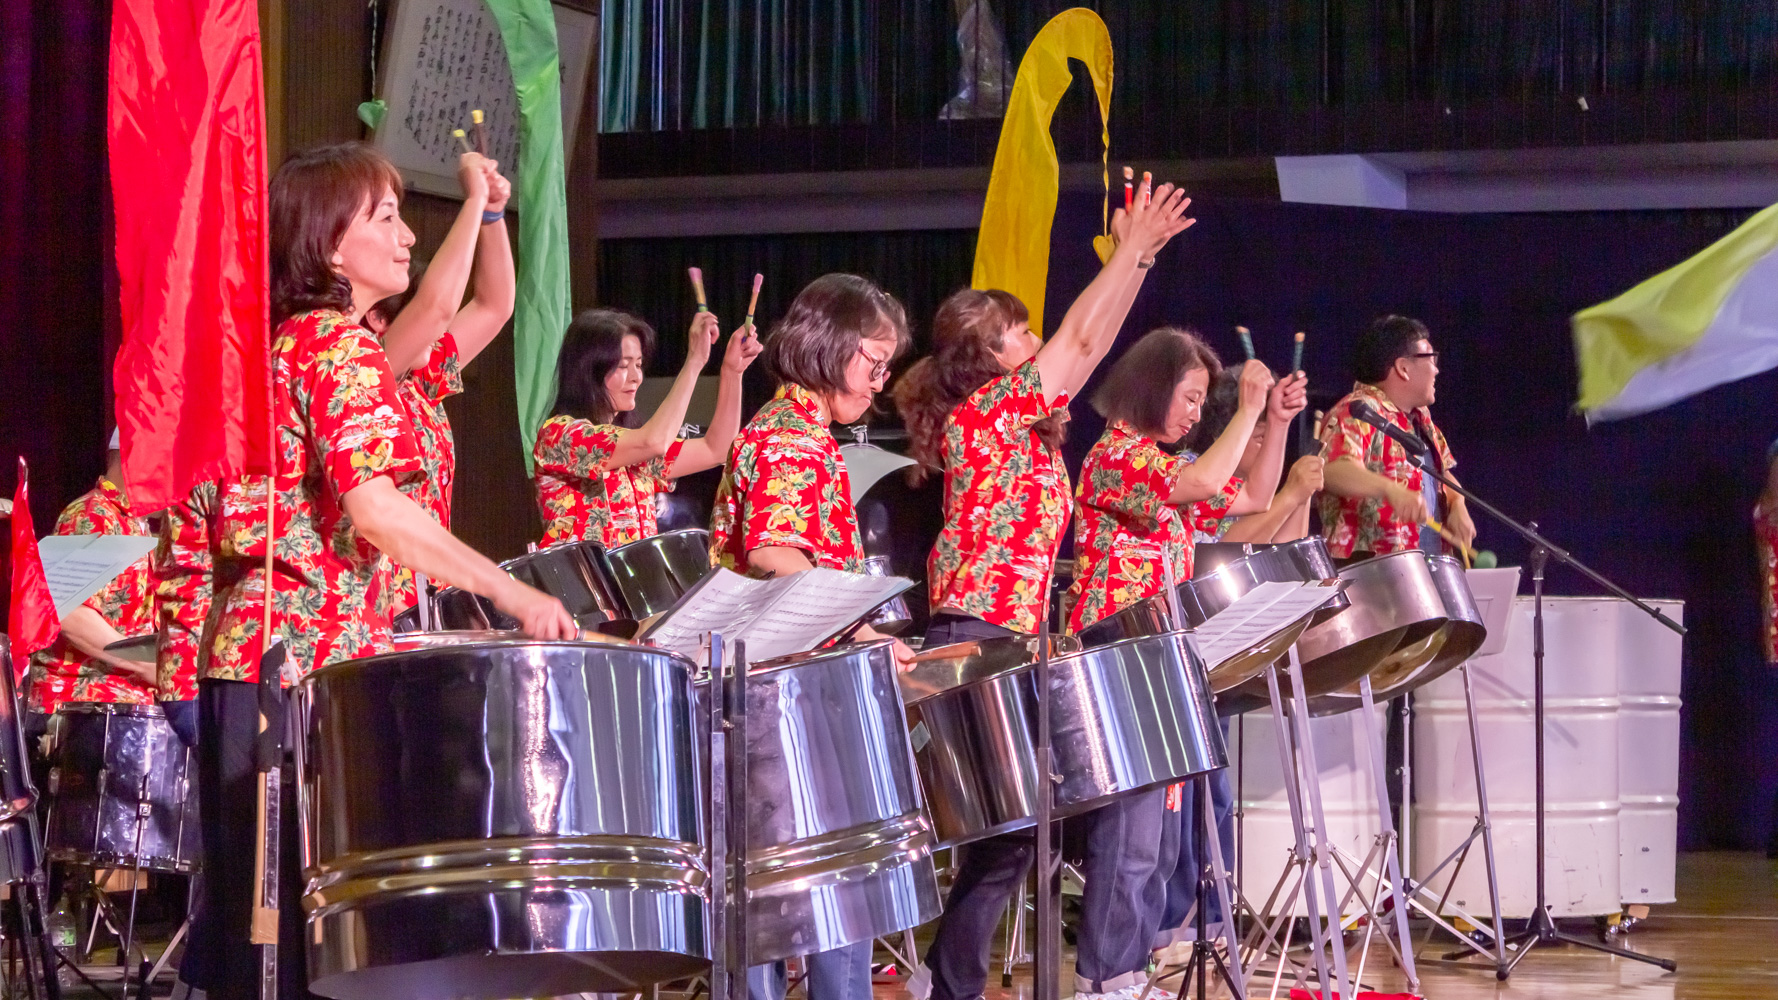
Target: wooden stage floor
(1723,932)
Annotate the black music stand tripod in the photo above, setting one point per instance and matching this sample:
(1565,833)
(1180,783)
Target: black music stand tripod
(1542,929)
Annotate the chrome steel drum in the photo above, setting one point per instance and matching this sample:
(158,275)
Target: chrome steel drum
(405,641)
(1124,717)
(124,789)
(651,574)
(572,572)
(839,844)
(1305,560)
(20,855)
(1396,608)
(1423,662)
(499,820)
(893,617)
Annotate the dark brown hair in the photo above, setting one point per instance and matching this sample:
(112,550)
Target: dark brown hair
(814,343)
(593,345)
(969,327)
(1139,388)
(314,197)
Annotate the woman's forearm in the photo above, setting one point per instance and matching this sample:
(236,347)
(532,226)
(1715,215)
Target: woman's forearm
(496,291)
(711,450)
(1206,477)
(410,336)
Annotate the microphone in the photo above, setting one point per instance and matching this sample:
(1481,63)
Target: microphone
(1416,447)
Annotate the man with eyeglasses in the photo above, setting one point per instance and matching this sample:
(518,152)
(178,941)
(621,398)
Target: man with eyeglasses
(1375,500)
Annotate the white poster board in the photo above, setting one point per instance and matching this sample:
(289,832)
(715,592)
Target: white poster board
(443,58)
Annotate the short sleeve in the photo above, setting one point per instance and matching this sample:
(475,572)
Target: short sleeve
(182,570)
(442,374)
(567,446)
(1135,481)
(784,497)
(657,468)
(356,420)
(1206,513)
(1344,436)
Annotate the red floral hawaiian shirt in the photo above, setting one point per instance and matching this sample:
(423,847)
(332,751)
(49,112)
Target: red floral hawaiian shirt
(1354,525)
(785,484)
(1123,525)
(423,392)
(583,500)
(1006,503)
(62,673)
(184,571)
(340,425)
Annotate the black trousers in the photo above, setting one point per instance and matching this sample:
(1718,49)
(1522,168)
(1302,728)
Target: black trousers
(228,804)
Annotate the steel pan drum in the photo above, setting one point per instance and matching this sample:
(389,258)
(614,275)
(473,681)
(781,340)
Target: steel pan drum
(839,845)
(1423,662)
(124,789)
(1305,560)
(651,574)
(574,573)
(1395,606)
(500,820)
(893,617)
(1124,717)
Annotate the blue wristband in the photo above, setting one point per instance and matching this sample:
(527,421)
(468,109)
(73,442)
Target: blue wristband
(489,218)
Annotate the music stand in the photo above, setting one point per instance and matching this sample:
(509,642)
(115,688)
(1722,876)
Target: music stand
(1542,929)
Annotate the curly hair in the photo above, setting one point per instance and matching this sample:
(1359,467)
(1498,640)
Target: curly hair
(969,327)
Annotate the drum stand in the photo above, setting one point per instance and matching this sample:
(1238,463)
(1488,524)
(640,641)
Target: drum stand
(1542,929)
(728,823)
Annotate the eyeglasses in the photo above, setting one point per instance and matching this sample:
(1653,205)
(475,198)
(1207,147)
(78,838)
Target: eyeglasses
(1426,354)
(879,366)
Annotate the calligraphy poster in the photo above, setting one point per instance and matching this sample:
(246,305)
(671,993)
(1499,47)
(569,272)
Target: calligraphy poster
(444,58)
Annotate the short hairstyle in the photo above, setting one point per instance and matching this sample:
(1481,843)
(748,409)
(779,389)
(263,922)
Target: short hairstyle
(1139,388)
(816,340)
(314,197)
(1388,338)
(591,348)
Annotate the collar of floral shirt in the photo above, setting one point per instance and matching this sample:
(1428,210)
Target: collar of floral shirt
(1382,402)
(111,492)
(804,401)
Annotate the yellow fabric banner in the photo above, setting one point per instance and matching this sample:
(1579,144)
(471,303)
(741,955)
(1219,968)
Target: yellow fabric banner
(1012,250)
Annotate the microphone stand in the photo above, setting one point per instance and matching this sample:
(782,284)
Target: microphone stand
(1542,929)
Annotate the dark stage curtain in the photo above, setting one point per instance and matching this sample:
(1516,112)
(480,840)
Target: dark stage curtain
(58,288)
(1659,503)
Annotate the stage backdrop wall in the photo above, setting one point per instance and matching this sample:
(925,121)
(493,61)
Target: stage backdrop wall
(1660,503)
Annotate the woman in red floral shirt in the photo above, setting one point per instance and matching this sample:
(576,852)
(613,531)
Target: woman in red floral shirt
(597,480)
(986,407)
(344,446)
(430,335)
(785,505)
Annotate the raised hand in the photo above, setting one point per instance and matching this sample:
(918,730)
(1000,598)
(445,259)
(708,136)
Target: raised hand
(499,188)
(473,178)
(1153,219)
(1288,398)
(1305,478)
(1256,386)
(705,328)
(743,347)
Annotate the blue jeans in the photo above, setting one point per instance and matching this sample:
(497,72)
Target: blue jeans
(1124,889)
(840,974)
(1182,832)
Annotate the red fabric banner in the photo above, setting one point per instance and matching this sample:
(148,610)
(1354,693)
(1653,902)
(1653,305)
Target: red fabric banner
(188,176)
(31,620)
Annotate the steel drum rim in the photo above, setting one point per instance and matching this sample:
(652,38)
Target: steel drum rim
(135,709)
(790,661)
(651,541)
(378,659)
(1058,643)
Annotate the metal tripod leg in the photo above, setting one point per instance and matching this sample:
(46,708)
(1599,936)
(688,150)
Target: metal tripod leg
(1311,783)
(1371,747)
(1301,857)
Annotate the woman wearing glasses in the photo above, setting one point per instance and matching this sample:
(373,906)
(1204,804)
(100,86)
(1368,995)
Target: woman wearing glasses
(987,407)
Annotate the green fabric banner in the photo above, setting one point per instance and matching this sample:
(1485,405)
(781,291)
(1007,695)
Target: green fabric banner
(545,303)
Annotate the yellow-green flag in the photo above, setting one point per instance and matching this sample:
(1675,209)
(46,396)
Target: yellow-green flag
(1012,250)
(1705,322)
(545,302)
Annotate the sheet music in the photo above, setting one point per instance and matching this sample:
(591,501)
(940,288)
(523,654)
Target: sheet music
(1259,614)
(78,566)
(791,614)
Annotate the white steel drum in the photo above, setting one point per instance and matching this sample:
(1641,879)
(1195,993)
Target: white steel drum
(1582,641)
(1348,798)
(1648,752)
